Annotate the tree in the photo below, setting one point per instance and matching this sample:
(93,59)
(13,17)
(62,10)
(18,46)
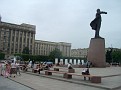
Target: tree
(26,50)
(109,55)
(116,56)
(55,54)
(2,56)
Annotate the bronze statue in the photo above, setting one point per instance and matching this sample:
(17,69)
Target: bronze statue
(96,23)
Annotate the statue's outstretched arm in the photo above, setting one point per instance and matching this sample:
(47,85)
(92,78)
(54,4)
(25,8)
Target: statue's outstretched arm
(102,12)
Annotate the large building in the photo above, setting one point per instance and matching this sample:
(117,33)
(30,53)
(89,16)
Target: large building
(79,52)
(14,38)
(45,47)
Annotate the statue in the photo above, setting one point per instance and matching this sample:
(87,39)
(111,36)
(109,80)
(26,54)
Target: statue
(96,23)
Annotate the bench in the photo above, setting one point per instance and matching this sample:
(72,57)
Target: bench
(93,79)
(34,70)
(69,70)
(49,72)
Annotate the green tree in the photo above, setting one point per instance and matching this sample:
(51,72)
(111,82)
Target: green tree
(26,50)
(25,57)
(109,55)
(116,56)
(55,54)
(2,56)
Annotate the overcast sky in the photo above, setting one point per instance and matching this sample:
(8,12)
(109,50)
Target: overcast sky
(66,20)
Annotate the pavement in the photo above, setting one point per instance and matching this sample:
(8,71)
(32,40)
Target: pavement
(111,80)
(7,84)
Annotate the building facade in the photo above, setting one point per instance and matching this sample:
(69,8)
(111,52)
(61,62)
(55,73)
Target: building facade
(45,47)
(79,52)
(14,38)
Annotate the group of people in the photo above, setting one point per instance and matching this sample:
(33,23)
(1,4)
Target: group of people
(10,68)
(85,71)
(42,66)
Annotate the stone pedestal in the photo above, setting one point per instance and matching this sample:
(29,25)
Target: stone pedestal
(56,69)
(65,75)
(96,79)
(71,70)
(48,73)
(96,53)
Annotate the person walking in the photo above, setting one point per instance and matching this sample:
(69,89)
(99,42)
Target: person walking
(17,67)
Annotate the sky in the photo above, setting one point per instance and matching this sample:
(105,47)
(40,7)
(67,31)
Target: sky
(66,20)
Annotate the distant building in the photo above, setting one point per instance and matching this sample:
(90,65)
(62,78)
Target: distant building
(45,47)
(79,52)
(83,52)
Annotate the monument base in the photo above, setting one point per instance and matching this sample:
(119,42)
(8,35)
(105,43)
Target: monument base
(96,53)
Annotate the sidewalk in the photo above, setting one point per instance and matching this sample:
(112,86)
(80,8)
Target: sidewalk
(6,84)
(111,80)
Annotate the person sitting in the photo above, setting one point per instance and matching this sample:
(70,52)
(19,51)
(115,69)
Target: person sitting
(45,66)
(39,68)
(70,66)
(85,72)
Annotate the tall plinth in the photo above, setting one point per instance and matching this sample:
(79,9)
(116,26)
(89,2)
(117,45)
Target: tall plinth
(96,53)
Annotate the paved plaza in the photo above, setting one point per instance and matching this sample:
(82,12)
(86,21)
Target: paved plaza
(111,80)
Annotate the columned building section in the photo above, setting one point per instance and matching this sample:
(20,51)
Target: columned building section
(14,38)
(79,52)
(65,48)
(45,47)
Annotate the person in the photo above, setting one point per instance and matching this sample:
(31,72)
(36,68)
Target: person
(33,62)
(45,66)
(17,67)
(3,66)
(25,67)
(88,64)
(96,23)
(69,66)
(85,72)
(7,69)
(39,68)
(30,64)
(13,68)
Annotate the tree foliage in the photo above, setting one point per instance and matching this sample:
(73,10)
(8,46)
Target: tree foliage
(109,55)
(55,54)
(2,56)
(116,56)
(26,50)
(113,55)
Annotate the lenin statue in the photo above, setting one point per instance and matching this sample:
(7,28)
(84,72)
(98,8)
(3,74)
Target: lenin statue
(96,23)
